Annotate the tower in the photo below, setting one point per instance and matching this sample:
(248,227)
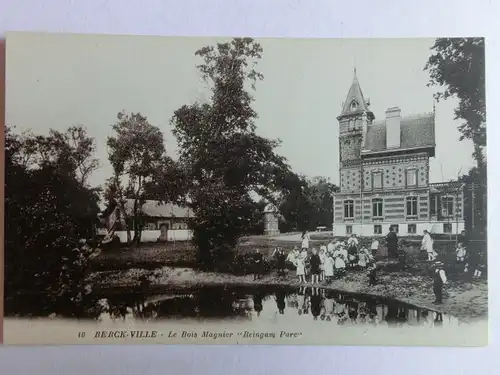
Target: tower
(353,122)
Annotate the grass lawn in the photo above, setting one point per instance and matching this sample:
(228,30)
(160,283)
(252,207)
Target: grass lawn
(183,254)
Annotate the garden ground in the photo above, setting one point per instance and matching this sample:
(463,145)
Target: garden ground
(168,266)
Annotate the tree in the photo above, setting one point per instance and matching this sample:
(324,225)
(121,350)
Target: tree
(47,210)
(72,150)
(307,204)
(225,160)
(140,166)
(457,66)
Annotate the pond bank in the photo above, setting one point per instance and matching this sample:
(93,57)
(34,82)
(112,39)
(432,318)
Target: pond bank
(467,301)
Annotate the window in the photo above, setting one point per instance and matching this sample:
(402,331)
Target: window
(350,125)
(150,226)
(447,206)
(377,229)
(412,228)
(411,206)
(348,229)
(377,180)
(434,205)
(411,177)
(395,228)
(354,106)
(349,209)
(447,228)
(378,207)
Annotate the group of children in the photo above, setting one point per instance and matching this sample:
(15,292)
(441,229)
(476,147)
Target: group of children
(331,260)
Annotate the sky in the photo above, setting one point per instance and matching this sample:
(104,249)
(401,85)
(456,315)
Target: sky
(54,81)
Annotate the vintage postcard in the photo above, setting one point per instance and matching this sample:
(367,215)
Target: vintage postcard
(224,190)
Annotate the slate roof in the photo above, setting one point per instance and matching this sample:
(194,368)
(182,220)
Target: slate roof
(155,209)
(355,93)
(416,131)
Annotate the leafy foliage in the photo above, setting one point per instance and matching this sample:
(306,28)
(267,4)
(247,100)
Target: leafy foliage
(307,204)
(457,65)
(475,203)
(47,209)
(142,170)
(225,160)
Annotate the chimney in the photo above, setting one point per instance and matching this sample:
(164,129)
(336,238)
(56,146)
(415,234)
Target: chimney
(393,127)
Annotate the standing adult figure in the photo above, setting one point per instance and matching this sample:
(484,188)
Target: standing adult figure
(258,260)
(463,238)
(428,246)
(392,243)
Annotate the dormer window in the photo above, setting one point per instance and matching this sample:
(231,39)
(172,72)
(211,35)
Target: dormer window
(354,106)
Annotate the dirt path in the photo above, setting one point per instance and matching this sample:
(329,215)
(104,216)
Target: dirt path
(467,301)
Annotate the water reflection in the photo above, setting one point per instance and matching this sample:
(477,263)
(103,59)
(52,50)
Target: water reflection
(283,306)
(288,307)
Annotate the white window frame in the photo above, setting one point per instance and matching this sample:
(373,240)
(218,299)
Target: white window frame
(381,174)
(407,172)
(444,205)
(434,202)
(378,201)
(346,204)
(407,199)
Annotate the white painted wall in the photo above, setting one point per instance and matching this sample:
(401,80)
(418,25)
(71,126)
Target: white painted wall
(153,235)
(339,229)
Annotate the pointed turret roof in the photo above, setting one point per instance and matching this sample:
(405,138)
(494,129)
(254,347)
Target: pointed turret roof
(355,94)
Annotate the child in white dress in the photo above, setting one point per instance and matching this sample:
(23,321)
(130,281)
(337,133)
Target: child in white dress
(374,247)
(340,256)
(461,252)
(300,263)
(329,265)
(363,257)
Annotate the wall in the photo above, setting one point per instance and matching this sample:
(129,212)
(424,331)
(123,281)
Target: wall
(339,229)
(153,235)
(394,205)
(394,171)
(350,180)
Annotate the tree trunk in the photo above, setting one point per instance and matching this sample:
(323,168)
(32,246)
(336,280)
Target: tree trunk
(127,222)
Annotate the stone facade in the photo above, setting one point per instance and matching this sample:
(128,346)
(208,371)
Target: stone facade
(384,175)
(271,220)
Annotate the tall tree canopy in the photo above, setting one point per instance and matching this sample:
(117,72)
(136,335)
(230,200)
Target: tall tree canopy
(141,169)
(457,66)
(307,203)
(48,208)
(225,160)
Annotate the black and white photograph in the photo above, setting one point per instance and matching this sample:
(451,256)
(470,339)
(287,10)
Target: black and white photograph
(240,190)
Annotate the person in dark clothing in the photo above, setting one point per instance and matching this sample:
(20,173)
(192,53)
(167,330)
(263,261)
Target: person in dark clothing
(392,243)
(438,322)
(463,238)
(315,303)
(258,260)
(372,274)
(280,301)
(315,263)
(257,303)
(439,279)
(280,261)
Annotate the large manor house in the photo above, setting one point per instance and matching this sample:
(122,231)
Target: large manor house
(384,174)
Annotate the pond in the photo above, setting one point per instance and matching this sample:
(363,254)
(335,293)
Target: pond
(250,306)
